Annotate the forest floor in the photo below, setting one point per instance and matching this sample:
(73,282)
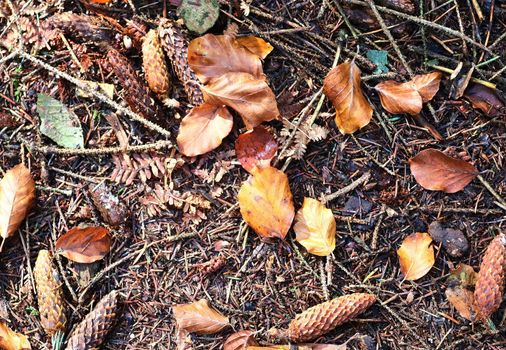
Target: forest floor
(260,284)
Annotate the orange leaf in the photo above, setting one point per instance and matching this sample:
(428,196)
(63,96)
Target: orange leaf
(211,56)
(255,45)
(203,129)
(416,255)
(84,245)
(342,87)
(100,1)
(10,340)
(435,171)
(463,301)
(251,97)
(239,341)
(266,203)
(17,193)
(315,227)
(427,85)
(255,148)
(486,99)
(199,317)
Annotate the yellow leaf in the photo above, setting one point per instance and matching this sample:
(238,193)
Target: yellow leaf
(416,255)
(315,227)
(10,340)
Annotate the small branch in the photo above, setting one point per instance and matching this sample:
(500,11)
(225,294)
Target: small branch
(500,202)
(362,179)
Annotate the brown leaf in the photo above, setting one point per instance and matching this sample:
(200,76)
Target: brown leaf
(211,56)
(463,275)
(203,129)
(84,245)
(416,255)
(463,301)
(342,87)
(17,194)
(251,97)
(10,340)
(239,341)
(427,85)
(255,45)
(315,227)
(266,203)
(199,317)
(256,148)
(486,99)
(435,171)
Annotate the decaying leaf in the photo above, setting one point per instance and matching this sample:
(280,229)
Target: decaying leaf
(416,255)
(315,227)
(486,99)
(199,317)
(266,203)
(458,292)
(251,97)
(10,340)
(342,87)
(255,45)
(84,245)
(435,171)
(107,89)
(203,129)
(240,341)
(199,16)
(58,123)
(464,275)
(256,148)
(17,194)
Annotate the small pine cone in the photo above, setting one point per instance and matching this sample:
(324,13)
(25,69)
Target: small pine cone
(49,295)
(176,48)
(83,27)
(489,289)
(136,93)
(136,30)
(323,318)
(92,331)
(153,62)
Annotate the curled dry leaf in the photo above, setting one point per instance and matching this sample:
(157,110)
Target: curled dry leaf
(17,194)
(10,340)
(255,45)
(84,245)
(266,203)
(240,341)
(435,171)
(199,317)
(342,87)
(315,227)
(486,99)
(256,148)
(416,255)
(249,96)
(203,129)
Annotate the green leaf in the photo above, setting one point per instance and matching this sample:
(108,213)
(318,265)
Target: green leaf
(199,15)
(58,123)
(380,59)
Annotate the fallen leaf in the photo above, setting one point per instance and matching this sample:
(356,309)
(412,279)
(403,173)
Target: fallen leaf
(107,89)
(255,45)
(342,87)
(463,301)
(380,59)
(199,16)
(199,317)
(435,171)
(266,203)
(17,194)
(210,56)
(315,227)
(203,129)
(10,340)
(251,97)
(427,85)
(464,275)
(256,148)
(58,123)
(416,255)
(84,245)
(486,99)
(239,341)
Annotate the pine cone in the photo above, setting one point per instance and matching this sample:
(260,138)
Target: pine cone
(91,332)
(136,30)
(323,318)
(83,27)
(489,289)
(136,93)
(49,295)
(176,48)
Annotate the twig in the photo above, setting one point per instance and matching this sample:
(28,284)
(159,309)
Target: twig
(323,280)
(362,179)
(375,233)
(500,202)
(369,155)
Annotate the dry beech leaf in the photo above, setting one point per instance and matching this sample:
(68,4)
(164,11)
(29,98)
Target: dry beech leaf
(251,97)
(211,56)
(255,45)
(199,317)
(256,148)
(266,203)
(10,340)
(342,87)
(462,300)
(239,341)
(435,171)
(486,99)
(17,194)
(416,255)
(203,129)
(315,227)
(84,245)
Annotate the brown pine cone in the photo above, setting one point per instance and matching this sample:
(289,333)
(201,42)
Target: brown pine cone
(91,332)
(83,27)
(489,289)
(136,30)
(49,295)
(323,318)
(176,48)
